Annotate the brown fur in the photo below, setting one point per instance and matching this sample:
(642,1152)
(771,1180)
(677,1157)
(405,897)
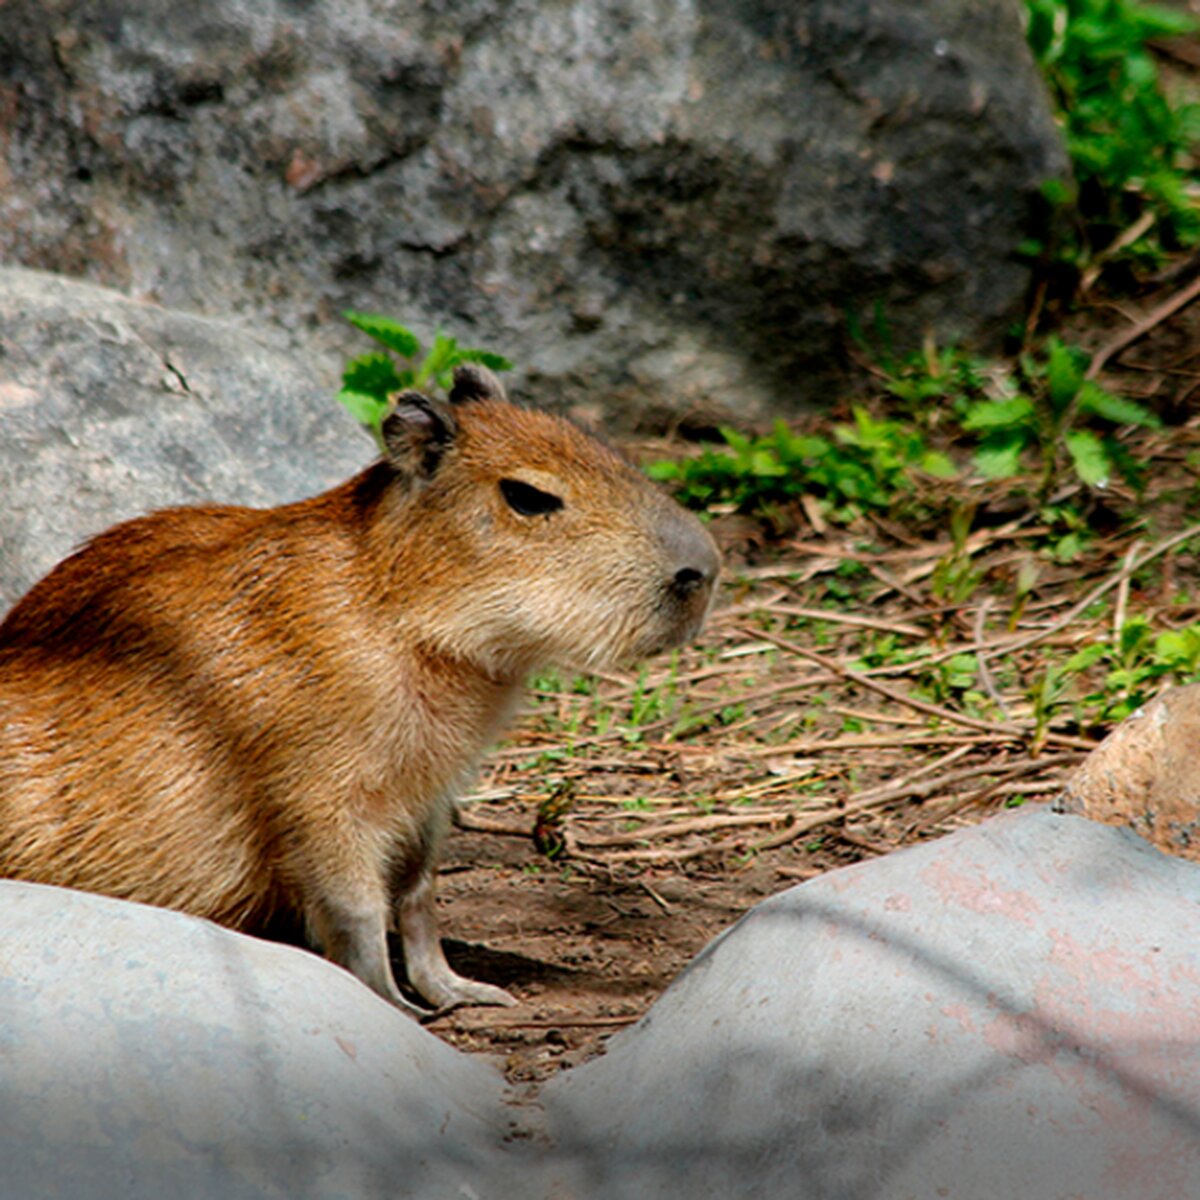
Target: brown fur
(246,714)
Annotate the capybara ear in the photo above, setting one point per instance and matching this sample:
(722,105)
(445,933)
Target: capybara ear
(475,382)
(416,433)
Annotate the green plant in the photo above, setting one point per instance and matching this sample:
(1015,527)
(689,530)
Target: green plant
(1054,410)
(371,381)
(884,650)
(955,578)
(650,704)
(1136,662)
(1045,697)
(845,583)
(932,375)
(1067,531)
(864,466)
(925,383)
(1024,584)
(1131,147)
(570,709)
(952,681)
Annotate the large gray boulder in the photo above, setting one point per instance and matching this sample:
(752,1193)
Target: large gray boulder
(1012,1011)
(646,203)
(110,408)
(145,1055)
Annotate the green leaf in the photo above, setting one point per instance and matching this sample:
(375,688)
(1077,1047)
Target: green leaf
(1179,649)
(1068,548)
(665,470)
(365,408)
(1089,456)
(764,465)
(1000,457)
(1158,21)
(387,332)
(374,374)
(485,358)
(737,441)
(1133,637)
(1010,413)
(939,465)
(1064,373)
(1058,192)
(1118,409)
(441,357)
(1081,660)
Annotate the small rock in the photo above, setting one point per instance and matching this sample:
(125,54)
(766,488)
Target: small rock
(1146,774)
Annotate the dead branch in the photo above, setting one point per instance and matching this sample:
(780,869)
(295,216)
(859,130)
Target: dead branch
(1162,312)
(876,798)
(864,680)
(1102,589)
(985,674)
(674,829)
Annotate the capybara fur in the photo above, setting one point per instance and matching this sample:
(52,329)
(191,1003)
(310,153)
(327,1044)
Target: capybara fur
(256,715)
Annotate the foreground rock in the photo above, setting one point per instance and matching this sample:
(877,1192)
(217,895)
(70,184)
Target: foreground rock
(647,201)
(109,409)
(1010,1011)
(1146,774)
(150,1055)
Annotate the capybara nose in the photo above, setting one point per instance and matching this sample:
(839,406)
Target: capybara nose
(693,553)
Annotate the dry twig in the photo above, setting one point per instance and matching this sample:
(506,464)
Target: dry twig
(1168,308)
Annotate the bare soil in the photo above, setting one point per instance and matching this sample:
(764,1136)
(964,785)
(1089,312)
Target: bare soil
(585,952)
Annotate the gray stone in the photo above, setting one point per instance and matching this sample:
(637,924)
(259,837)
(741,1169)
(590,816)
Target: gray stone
(110,408)
(145,1054)
(648,204)
(1013,1010)
(1010,1011)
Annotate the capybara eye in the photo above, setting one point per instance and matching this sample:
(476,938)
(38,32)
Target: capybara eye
(527,500)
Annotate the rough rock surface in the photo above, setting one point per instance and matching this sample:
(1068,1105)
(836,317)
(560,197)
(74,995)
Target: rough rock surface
(109,409)
(1146,774)
(643,202)
(1010,1011)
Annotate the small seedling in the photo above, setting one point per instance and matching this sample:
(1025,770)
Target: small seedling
(1052,410)
(1136,663)
(371,381)
(954,577)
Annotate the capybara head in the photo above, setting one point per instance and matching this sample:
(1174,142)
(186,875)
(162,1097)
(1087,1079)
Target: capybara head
(539,543)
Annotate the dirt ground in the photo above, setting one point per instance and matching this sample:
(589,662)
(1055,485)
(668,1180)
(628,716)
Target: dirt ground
(587,944)
(585,953)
